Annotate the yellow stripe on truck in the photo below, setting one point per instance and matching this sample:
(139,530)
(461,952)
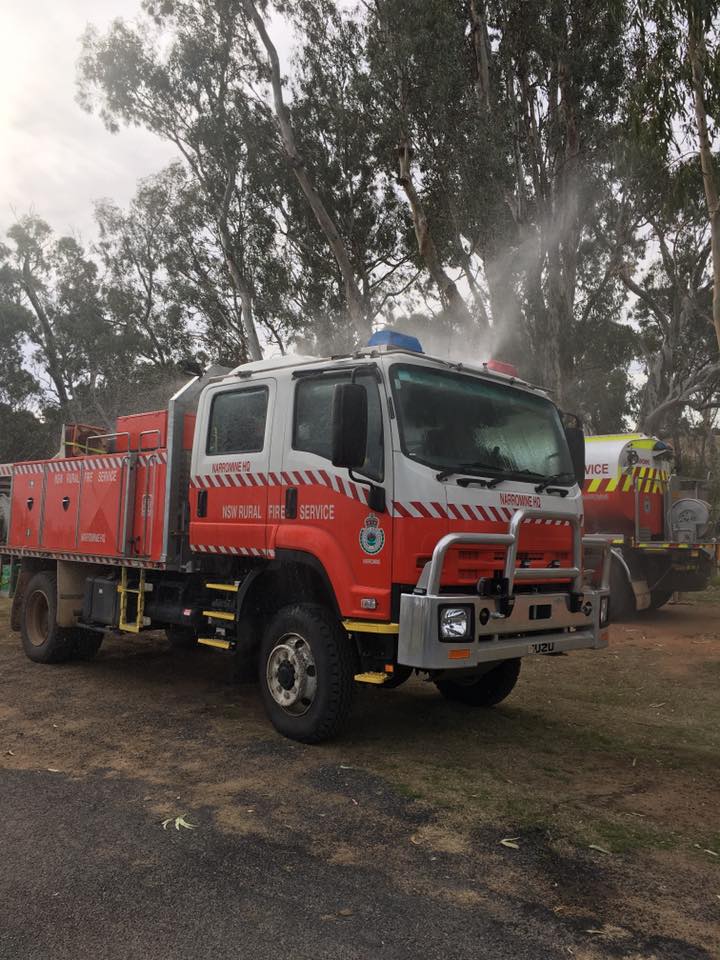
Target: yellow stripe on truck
(365,626)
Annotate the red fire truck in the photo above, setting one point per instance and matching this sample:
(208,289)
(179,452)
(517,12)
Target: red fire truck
(657,540)
(328,521)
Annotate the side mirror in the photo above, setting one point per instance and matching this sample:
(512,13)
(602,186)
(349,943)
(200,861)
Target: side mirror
(575,437)
(349,425)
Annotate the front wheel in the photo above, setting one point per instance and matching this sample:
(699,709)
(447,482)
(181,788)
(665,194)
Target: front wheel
(307,666)
(480,689)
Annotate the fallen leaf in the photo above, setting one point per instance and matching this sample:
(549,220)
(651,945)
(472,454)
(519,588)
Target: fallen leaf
(655,705)
(9,753)
(511,842)
(415,840)
(345,912)
(179,822)
(594,846)
(52,770)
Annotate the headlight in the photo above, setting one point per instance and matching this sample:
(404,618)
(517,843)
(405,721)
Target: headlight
(455,623)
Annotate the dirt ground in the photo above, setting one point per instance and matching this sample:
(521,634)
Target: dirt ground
(601,772)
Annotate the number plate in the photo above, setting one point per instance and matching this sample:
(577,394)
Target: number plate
(541,647)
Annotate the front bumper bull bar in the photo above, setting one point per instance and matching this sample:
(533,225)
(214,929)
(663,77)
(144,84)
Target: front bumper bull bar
(514,624)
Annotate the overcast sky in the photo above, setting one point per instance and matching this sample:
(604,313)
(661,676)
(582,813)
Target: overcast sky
(54,158)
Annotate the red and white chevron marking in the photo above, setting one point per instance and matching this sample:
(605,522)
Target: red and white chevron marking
(289,478)
(416,509)
(78,463)
(85,558)
(233,551)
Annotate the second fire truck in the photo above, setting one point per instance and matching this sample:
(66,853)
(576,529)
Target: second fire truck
(660,543)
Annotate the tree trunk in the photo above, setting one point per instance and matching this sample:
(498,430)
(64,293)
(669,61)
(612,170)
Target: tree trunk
(697,53)
(449,293)
(48,339)
(357,307)
(478,27)
(252,343)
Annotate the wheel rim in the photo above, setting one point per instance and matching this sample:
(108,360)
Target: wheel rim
(291,675)
(37,618)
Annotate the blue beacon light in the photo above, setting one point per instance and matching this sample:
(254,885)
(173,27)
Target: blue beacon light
(393,338)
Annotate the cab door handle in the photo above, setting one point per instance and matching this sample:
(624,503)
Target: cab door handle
(291,498)
(202,503)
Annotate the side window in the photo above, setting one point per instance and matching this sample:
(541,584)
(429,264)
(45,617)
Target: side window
(312,427)
(237,422)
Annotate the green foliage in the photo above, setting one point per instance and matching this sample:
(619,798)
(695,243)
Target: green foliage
(547,185)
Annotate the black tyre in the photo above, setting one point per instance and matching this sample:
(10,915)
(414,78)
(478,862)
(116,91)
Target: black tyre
(622,597)
(658,598)
(182,638)
(397,678)
(307,666)
(481,689)
(42,639)
(86,643)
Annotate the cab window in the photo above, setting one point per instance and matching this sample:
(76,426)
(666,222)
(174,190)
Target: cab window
(312,427)
(237,422)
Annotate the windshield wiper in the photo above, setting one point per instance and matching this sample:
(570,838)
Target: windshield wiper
(560,478)
(470,469)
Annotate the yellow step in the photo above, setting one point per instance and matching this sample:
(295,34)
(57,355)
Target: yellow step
(370,677)
(219,614)
(230,587)
(217,644)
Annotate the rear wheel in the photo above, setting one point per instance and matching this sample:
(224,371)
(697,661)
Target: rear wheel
(86,643)
(307,666)
(622,596)
(658,598)
(42,639)
(481,689)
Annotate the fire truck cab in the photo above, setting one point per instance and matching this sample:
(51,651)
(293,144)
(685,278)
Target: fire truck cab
(327,521)
(659,542)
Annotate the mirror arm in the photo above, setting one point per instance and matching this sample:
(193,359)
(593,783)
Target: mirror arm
(377,500)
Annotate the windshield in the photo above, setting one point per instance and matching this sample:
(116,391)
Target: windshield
(464,424)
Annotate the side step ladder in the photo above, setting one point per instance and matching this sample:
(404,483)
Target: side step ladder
(221,617)
(125,591)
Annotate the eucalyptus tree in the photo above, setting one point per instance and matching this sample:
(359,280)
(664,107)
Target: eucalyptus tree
(134,248)
(661,252)
(184,70)
(675,102)
(49,289)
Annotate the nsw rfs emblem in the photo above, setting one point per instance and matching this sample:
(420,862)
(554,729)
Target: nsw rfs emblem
(372,535)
